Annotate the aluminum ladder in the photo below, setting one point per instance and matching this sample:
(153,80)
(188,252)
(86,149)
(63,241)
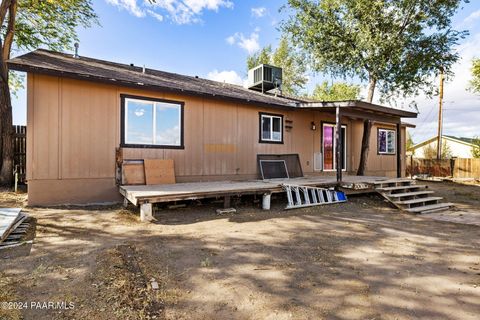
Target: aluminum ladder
(303,196)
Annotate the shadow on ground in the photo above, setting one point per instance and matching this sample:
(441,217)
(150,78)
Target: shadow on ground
(359,260)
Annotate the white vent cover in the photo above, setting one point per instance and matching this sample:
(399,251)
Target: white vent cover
(317,161)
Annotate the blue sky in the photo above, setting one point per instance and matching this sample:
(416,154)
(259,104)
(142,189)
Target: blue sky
(212,38)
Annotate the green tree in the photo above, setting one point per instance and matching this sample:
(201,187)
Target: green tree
(336,91)
(286,57)
(395,46)
(476,149)
(262,56)
(430,151)
(475,82)
(27,25)
(410,142)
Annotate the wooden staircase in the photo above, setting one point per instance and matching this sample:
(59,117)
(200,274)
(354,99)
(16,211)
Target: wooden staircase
(409,196)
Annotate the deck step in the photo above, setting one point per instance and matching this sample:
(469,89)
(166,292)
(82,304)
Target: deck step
(418,200)
(393,181)
(430,208)
(417,186)
(416,193)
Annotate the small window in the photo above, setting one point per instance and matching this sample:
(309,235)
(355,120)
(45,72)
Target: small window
(271,128)
(152,123)
(386,141)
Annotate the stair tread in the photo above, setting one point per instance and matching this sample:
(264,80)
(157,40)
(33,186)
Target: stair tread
(430,207)
(416,193)
(393,181)
(417,186)
(418,200)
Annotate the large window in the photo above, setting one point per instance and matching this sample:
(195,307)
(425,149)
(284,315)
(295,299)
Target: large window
(386,141)
(151,123)
(271,128)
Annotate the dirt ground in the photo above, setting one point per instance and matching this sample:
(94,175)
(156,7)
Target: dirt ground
(358,260)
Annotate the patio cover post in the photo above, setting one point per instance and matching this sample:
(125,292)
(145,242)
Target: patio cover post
(399,149)
(338,144)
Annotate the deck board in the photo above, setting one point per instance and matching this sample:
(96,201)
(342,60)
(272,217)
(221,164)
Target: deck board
(138,194)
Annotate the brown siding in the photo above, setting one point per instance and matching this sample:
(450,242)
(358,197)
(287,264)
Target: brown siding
(74,128)
(44,115)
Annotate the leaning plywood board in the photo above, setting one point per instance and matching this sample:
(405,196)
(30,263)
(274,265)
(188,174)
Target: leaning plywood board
(133,173)
(8,216)
(158,171)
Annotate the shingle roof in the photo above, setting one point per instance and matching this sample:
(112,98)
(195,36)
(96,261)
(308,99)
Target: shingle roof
(464,139)
(55,63)
(89,69)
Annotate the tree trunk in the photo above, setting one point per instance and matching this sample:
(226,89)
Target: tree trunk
(6,127)
(367,128)
(6,122)
(6,135)
(371,89)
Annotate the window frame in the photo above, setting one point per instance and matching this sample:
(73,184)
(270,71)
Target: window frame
(386,153)
(123,144)
(271,116)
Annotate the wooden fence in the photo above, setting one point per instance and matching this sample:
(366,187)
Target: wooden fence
(19,151)
(456,168)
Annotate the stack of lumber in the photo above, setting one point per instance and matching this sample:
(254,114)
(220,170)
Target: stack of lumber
(13,227)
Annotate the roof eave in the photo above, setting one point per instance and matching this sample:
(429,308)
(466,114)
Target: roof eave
(360,104)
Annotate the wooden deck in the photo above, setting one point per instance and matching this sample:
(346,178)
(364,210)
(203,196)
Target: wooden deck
(139,195)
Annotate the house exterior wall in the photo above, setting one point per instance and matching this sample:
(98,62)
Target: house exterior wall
(74,129)
(458,150)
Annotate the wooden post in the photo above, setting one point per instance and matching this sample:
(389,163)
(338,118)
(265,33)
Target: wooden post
(338,145)
(399,150)
(440,115)
(125,202)
(146,212)
(227,202)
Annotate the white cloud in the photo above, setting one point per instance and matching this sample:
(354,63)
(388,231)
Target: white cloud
(231,40)
(249,44)
(179,11)
(470,20)
(129,5)
(259,12)
(226,76)
(157,16)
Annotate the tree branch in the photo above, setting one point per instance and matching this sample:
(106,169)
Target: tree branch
(3,10)
(407,19)
(7,45)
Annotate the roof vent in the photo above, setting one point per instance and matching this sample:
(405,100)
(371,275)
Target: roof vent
(265,77)
(76,45)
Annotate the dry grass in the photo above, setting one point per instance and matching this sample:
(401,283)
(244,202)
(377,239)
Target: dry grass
(7,294)
(8,198)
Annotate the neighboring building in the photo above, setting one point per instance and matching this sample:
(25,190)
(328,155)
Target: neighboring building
(453,147)
(81,109)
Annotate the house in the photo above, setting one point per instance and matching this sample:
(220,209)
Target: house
(453,147)
(80,110)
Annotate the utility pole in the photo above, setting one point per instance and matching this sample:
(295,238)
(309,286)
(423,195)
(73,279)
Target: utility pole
(440,115)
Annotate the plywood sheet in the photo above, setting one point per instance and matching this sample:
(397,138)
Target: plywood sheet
(133,173)
(8,216)
(159,171)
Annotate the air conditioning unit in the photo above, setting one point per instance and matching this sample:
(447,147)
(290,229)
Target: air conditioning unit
(264,78)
